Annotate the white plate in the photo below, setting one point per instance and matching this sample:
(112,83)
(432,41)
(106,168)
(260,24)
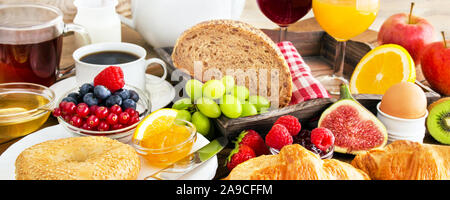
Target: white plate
(207,171)
(160,95)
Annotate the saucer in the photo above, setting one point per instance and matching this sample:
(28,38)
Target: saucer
(206,171)
(161,95)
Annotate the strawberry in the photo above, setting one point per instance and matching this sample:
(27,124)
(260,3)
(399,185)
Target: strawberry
(111,77)
(240,154)
(252,139)
(322,138)
(291,123)
(278,137)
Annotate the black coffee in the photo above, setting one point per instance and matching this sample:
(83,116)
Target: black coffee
(109,58)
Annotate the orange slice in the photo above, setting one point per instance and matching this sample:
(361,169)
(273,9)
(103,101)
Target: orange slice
(381,68)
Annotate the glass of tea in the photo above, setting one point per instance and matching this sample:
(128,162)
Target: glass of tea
(31,38)
(284,12)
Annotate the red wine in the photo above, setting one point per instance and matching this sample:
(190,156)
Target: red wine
(284,12)
(35,63)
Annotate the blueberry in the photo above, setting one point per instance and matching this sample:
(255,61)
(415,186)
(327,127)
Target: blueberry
(134,95)
(75,96)
(101,92)
(90,99)
(128,103)
(86,88)
(123,93)
(70,99)
(113,100)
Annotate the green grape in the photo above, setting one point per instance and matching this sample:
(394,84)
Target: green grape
(183,104)
(260,102)
(201,123)
(208,107)
(248,110)
(194,89)
(231,106)
(183,115)
(213,89)
(228,82)
(240,92)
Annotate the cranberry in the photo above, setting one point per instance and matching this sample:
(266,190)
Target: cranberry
(133,120)
(86,126)
(115,109)
(92,121)
(112,119)
(93,108)
(117,126)
(57,112)
(61,105)
(69,108)
(124,118)
(103,126)
(66,117)
(132,112)
(83,110)
(76,121)
(102,112)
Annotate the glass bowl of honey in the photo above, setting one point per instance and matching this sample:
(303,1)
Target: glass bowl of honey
(143,107)
(24,108)
(162,146)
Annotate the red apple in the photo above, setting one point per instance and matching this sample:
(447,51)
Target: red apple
(409,31)
(436,66)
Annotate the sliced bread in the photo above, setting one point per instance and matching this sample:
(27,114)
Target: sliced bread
(227,47)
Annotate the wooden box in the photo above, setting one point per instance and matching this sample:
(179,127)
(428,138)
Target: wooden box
(318,50)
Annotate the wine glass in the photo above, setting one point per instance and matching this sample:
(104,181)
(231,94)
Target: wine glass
(284,12)
(343,19)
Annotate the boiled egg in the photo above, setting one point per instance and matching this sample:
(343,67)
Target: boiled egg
(404,100)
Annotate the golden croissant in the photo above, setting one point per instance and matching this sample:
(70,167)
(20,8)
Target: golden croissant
(294,162)
(406,160)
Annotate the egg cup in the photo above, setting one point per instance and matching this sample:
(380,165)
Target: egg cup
(403,129)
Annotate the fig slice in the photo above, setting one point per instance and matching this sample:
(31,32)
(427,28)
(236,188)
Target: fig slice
(356,129)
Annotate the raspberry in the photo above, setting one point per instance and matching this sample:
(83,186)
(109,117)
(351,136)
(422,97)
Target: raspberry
(323,138)
(278,137)
(291,123)
(252,139)
(111,77)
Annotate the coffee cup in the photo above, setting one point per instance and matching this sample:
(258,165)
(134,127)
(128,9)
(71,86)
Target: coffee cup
(131,58)
(31,40)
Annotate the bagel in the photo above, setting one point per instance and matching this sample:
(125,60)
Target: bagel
(78,158)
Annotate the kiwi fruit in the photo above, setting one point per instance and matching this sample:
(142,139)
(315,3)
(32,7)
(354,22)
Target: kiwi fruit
(438,122)
(431,106)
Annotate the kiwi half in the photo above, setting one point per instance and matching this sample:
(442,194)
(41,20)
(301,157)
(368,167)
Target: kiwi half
(438,122)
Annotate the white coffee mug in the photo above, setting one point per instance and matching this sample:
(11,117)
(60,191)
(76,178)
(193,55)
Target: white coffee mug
(134,71)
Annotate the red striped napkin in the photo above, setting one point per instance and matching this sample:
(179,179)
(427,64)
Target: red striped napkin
(305,86)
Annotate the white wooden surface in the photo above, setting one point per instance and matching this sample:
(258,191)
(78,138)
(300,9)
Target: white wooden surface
(436,12)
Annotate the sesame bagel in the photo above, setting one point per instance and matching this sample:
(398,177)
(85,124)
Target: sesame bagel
(78,158)
(228,47)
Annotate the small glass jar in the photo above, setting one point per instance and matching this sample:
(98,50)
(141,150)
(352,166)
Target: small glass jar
(100,19)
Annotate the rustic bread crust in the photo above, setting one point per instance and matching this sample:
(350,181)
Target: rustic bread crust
(234,45)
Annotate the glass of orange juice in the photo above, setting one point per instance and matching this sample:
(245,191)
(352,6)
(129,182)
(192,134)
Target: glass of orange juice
(343,19)
(166,142)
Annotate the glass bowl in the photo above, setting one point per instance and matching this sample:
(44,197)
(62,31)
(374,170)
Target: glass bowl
(329,155)
(163,157)
(24,108)
(143,106)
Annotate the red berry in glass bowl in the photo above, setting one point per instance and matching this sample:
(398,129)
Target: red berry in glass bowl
(86,126)
(124,118)
(112,119)
(83,110)
(117,126)
(102,112)
(76,121)
(322,138)
(92,121)
(57,112)
(133,120)
(69,108)
(103,126)
(132,112)
(115,109)
(93,108)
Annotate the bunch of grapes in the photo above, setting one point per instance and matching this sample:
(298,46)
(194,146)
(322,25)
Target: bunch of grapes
(215,98)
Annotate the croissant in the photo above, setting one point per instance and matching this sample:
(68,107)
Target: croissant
(294,162)
(406,160)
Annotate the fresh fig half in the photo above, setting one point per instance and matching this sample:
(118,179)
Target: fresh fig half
(355,128)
